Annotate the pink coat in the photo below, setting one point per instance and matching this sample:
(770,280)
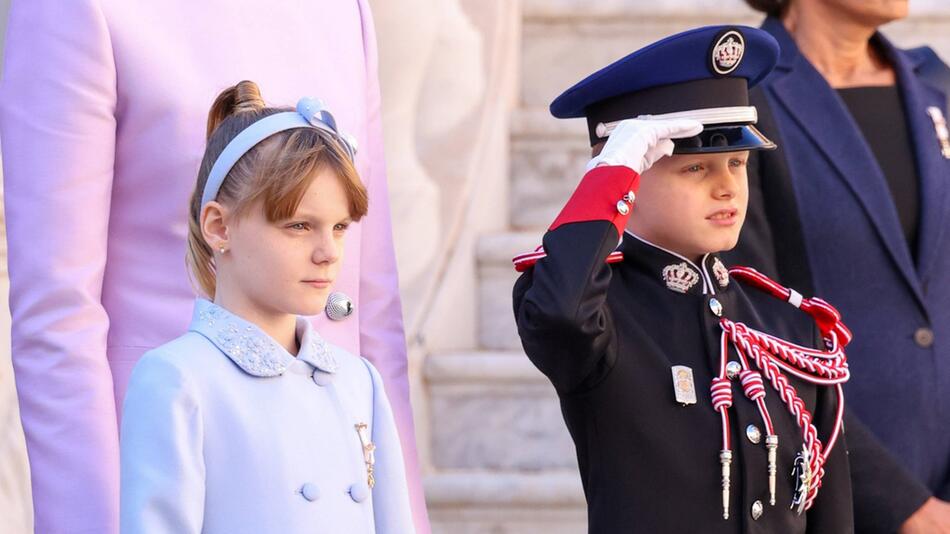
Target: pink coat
(102,117)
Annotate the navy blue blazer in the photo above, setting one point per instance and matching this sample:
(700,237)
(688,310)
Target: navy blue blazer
(822,218)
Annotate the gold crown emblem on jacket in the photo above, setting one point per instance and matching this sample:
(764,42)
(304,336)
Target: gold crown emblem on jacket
(680,277)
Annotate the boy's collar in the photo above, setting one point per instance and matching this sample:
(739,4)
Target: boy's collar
(253,350)
(678,273)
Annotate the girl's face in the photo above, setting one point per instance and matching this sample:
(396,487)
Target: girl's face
(289,266)
(693,204)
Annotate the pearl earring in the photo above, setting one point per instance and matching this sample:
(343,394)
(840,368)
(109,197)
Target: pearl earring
(222,250)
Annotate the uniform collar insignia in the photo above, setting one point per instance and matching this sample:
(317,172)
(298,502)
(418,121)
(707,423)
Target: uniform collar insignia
(678,273)
(720,272)
(254,351)
(680,277)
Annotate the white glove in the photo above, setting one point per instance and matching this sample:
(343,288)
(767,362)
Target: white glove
(639,143)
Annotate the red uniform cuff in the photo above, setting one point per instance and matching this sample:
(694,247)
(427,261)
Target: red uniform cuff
(605,194)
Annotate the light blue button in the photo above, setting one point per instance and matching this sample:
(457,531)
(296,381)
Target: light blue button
(359,492)
(321,378)
(310,491)
(715,306)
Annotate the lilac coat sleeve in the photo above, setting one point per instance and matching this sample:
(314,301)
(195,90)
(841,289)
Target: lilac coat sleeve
(57,127)
(382,339)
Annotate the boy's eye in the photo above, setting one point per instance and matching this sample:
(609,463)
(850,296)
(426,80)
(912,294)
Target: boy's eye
(737,162)
(694,168)
(299,226)
(341,227)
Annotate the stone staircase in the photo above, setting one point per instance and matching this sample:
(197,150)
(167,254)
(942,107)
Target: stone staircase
(504,461)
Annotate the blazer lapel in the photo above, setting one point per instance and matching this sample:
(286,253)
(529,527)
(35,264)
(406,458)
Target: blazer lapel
(933,169)
(819,112)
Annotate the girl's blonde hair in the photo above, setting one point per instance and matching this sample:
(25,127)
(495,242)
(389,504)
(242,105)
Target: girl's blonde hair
(272,176)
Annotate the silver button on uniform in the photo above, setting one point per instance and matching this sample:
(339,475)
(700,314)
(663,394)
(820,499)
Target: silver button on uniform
(716,307)
(733,369)
(756,510)
(753,433)
(622,207)
(339,306)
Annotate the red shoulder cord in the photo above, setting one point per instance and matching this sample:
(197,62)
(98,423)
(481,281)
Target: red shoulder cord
(771,356)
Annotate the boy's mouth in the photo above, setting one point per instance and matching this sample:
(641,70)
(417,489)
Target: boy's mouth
(724,217)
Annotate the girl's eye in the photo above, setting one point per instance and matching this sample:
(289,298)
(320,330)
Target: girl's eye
(341,227)
(736,162)
(299,226)
(694,168)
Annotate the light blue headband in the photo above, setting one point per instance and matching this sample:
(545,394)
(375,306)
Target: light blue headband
(310,114)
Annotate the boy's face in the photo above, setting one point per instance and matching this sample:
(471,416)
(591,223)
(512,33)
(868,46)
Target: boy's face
(693,204)
(290,266)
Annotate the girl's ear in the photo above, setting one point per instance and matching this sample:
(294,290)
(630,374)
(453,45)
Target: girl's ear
(214,225)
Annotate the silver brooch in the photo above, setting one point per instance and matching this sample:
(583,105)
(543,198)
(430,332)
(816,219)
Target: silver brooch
(720,272)
(727,52)
(940,127)
(680,277)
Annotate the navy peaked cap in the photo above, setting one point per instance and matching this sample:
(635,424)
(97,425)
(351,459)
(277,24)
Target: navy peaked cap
(709,69)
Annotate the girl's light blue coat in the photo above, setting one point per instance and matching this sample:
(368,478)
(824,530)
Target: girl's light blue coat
(224,431)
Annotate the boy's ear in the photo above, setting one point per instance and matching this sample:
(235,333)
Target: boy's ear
(214,225)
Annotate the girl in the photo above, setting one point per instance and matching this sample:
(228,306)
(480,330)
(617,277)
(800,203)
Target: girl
(250,421)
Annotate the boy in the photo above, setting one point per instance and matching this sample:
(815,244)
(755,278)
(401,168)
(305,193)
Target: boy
(644,332)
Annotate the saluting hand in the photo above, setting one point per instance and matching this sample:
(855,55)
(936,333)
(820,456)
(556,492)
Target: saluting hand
(639,143)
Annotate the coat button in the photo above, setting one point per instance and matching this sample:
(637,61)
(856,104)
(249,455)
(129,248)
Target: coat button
(310,491)
(623,207)
(339,306)
(359,492)
(753,433)
(733,369)
(924,337)
(715,306)
(756,510)
(321,378)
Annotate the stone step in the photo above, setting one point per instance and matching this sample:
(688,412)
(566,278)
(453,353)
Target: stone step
(496,278)
(494,411)
(490,502)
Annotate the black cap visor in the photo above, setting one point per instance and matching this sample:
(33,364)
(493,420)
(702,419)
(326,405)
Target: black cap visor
(725,138)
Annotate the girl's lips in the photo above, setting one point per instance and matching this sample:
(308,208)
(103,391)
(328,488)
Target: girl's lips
(319,284)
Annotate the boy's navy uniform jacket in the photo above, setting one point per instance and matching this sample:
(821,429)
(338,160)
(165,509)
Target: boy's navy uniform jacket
(607,335)
(828,221)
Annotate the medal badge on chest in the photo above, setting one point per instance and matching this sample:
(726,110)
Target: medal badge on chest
(683,386)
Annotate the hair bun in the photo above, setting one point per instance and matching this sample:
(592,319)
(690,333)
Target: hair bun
(244,97)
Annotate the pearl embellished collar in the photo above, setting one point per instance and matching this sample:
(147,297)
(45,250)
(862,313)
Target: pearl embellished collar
(254,351)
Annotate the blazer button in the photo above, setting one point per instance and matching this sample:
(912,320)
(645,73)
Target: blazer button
(924,337)
(321,378)
(359,492)
(310,491)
